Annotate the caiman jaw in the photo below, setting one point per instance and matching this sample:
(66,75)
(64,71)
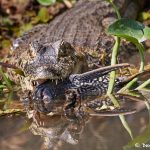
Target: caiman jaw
(50,61)
(39,82)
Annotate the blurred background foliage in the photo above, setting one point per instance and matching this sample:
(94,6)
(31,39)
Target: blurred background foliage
(18,16)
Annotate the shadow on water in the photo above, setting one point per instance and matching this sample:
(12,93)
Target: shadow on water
(77,132)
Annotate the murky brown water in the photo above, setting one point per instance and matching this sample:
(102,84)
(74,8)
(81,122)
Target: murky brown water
(99,133)
(87,133)
(17,132)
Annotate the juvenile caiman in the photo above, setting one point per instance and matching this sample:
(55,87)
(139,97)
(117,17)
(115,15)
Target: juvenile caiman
(75,89)
(73,43)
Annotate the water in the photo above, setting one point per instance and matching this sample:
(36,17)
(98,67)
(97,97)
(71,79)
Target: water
(83,132)
(18,132)
(98,133)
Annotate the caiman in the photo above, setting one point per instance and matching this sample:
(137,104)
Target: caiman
(73,43)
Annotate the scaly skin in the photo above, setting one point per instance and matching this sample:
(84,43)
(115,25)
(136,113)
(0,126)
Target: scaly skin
(75,89)
(73,42)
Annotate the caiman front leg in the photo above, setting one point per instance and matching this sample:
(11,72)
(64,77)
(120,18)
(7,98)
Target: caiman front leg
(86,86)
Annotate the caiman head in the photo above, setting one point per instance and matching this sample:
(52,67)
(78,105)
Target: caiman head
(45,61)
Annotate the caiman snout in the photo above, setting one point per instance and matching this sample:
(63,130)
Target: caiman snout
(50,61)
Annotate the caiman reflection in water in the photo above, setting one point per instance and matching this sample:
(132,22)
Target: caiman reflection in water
(57,129)
(74,132)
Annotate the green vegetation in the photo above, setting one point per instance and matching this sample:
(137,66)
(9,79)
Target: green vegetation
(132,31)
(136,33)
(51,2)
(46,2)
(6,81)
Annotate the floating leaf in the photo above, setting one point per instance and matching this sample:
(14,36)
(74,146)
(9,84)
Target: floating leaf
(129,29)
(46,2)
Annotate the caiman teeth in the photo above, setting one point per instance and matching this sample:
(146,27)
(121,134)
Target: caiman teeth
(38,82)
(34,83)
(56,82)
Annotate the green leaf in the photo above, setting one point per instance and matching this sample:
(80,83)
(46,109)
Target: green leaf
(25,27)
(146,33)
(43,15)
(46,2)
(7,81)
(129,29)
(144,16)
